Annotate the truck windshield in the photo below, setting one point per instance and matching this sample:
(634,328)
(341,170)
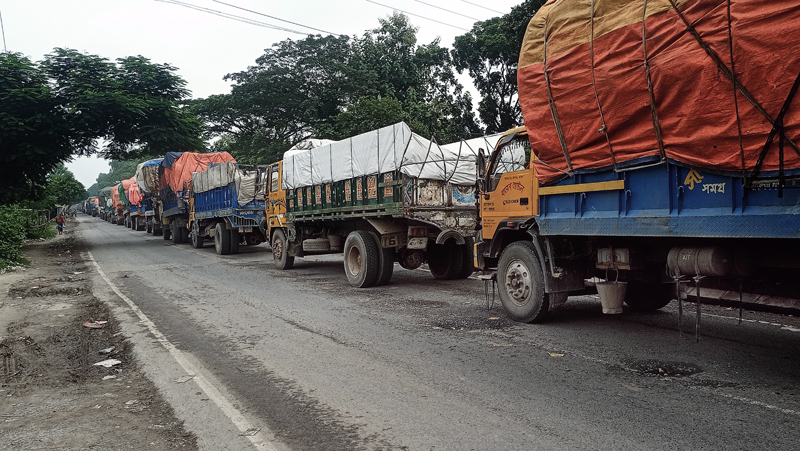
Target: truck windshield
(511,157)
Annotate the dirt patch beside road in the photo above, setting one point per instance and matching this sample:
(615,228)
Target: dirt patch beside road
(54,396)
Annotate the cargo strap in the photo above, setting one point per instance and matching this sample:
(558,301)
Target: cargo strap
(777,128)
(554,111)
(729,74)
(604,129)
(653,112)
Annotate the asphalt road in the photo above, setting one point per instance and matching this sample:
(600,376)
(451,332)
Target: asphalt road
(256,358)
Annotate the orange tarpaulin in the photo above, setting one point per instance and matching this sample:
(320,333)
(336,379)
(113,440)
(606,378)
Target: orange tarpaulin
(595,109)
(115,200)
(189,162)
(133,194)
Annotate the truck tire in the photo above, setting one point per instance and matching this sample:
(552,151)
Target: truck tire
(184,234)
(444,260)
(235,240)
(467,262)
(386,261)
(520,283)
(197,239)
(141,224)
(148,228)
(279,255)
(361,259)
(167,232)
(222,240)
(176,233)
(649,296)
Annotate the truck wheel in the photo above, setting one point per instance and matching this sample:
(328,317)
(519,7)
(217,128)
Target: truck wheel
(148,228)
(467,262)
(197,239)
(167,232)
(235,240)
(184,234)
(282,259)
(176,233)
(649,296)
(386,257)
(521,283)
(222,240)
(444,260)
(361,259)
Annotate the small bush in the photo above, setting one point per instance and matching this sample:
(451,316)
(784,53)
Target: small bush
(13,221)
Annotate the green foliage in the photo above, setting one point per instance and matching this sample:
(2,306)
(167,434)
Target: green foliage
(62,106)
(334,87)
(13,222)
(120,170)
(63,187)
(490,53)
(365,115)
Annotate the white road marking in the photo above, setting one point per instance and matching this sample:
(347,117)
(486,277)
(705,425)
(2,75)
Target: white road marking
(242,424)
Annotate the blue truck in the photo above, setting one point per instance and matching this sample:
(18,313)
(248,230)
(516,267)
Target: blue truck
(652,227)
(227,206)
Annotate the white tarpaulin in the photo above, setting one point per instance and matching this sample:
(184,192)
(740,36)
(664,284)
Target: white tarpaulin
(385,150)
(247,183)
(220,174)
(147,175)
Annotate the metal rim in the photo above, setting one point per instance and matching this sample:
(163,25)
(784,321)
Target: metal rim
(354,260)
(277,248)
(518,282)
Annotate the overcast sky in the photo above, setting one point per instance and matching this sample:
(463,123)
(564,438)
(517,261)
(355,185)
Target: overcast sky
(205,46)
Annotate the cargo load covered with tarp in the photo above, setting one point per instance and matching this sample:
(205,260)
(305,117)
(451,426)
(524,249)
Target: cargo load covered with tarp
(246,181)
(116,202)
(134,195)
(610,84)
(178,167)
(123,188)
(147,175)
(384,150)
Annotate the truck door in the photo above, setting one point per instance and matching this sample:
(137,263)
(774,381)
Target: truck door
(276,197)
(510,188)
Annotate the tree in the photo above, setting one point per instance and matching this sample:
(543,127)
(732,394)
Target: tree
(333,87)
(66,104)
(120,170)
(490,53)
(63,187)
(365,115)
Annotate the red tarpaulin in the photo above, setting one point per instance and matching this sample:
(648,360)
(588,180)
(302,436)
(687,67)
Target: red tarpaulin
(189,162)
(602,115)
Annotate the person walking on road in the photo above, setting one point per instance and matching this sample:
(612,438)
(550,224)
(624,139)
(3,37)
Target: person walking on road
(60,223)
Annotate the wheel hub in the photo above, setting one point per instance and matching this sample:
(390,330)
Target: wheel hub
(518,282)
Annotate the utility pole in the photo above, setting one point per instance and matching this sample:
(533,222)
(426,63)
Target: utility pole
(3,28)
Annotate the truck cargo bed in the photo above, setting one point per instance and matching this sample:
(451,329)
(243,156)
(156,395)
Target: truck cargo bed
(668,201)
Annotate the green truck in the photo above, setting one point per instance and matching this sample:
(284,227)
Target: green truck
(382,197)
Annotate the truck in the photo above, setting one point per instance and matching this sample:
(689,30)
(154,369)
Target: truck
(105,203)
(226,205)
(658,151)
(385,196)
(147,174)
(91,206)
(175,176)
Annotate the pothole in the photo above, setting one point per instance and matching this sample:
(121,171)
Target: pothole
(453,323)
(665,369)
